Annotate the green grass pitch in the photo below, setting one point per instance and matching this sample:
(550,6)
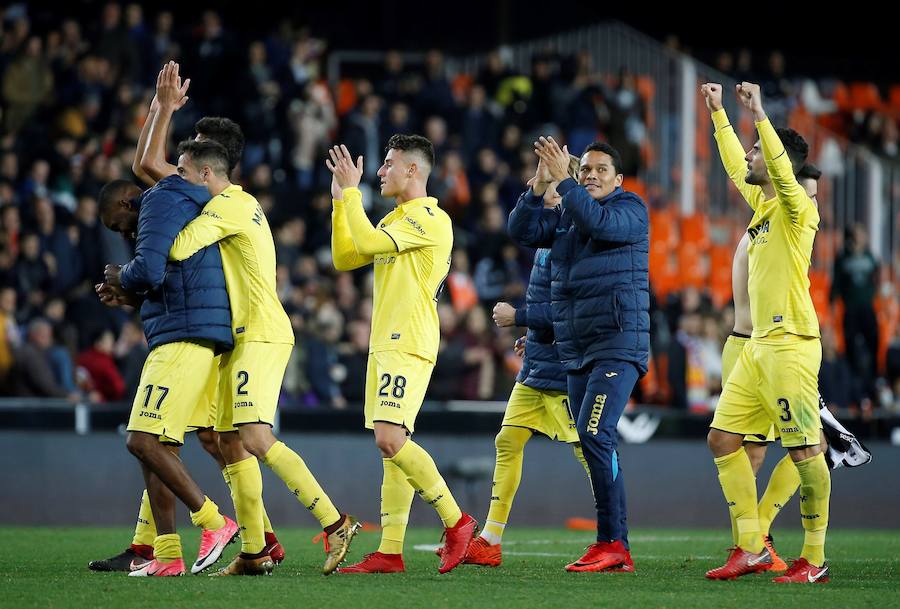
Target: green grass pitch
(47,568)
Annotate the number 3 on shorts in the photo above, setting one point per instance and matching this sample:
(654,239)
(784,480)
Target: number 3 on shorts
(785,410)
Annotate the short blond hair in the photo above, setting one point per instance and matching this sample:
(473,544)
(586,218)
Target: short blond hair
(574,166)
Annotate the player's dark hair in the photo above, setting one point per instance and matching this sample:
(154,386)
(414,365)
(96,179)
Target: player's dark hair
(226,132)
(796,147)
(415,143)
(110,194)
(809,172)
(606,149)
(206,152)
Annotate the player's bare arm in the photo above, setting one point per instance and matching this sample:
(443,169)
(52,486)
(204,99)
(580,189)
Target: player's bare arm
(171,95)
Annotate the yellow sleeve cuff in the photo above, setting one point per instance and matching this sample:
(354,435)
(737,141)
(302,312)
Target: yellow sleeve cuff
(720,119)
(352,195)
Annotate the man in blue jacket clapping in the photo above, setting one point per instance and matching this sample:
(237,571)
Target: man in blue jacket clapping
(599,255)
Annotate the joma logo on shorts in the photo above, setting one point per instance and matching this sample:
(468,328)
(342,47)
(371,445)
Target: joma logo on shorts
(596,411)
(790,430)
(390,403)
(150,415)
(243,404)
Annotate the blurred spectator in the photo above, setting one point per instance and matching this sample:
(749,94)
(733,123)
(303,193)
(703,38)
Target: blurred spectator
(130,352)
(354,358)
(27,84)
(33,374)
(9,335)
(855,282)
(322,368)
(836,383)
(103,374)
(59,247)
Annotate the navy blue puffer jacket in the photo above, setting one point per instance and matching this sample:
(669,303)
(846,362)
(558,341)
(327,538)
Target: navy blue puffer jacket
(183,300)
(540,368)
(600,289)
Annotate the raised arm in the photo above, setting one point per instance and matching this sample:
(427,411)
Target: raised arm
(142,145)
(730,150)
(791,195)
(367,240)
(530,223)
(624,220)
(171,96)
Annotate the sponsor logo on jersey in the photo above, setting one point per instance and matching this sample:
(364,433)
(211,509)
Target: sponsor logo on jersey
(418,227)
(211,214)
(240,330)
(777,319)
(258,215)
(762,227)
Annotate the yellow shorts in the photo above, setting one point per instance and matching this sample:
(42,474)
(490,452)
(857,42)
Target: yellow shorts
(395,388)
(775,381)
(730,354)
(543,411)
(204,415)
(250,378)
(173,381)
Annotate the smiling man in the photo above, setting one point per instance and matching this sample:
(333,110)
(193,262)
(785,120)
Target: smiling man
(599,292)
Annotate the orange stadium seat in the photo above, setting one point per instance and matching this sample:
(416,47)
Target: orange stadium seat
(842,97)
(819,286)
(635,185)
(894,100)
(346,97)
(695,229)
(865,96)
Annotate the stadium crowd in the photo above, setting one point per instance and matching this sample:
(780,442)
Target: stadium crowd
(75,94)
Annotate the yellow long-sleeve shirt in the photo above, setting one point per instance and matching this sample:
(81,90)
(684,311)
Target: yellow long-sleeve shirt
(410,249)
(781,232)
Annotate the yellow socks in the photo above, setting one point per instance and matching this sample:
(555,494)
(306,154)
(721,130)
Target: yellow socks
(783,483)
(246,492)
(396,499)
(288,466)
(739,487)
(424,476)
(145,529)
(167,548)
(208,516)
(267,525)
(815,491)
(510,443)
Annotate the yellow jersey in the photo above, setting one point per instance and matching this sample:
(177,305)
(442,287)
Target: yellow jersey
(235,219)
(408,282)
(781,234)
